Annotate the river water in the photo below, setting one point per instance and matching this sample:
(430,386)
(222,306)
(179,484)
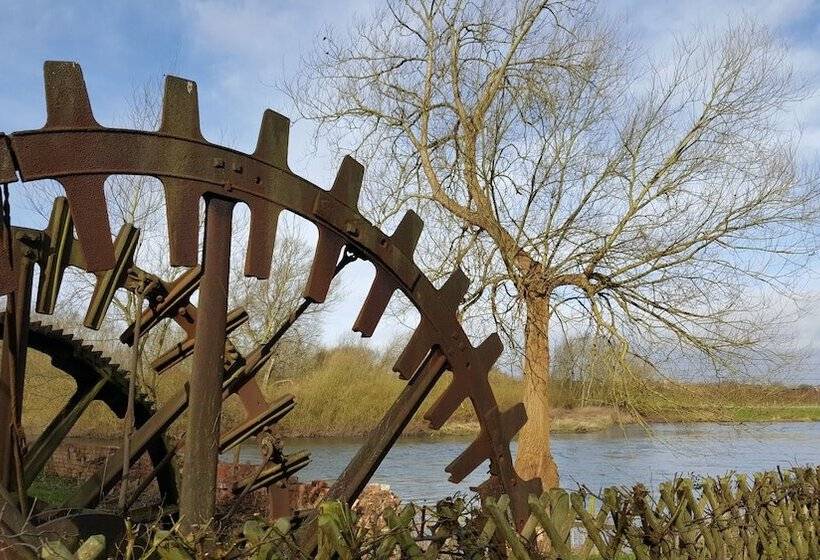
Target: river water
(414,468)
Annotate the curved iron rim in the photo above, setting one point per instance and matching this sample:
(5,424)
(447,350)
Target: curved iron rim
(102,152)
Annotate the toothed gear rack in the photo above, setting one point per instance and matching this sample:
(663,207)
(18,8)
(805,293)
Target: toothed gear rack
(80,154)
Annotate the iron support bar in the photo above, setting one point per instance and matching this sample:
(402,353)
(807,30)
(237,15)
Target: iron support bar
(103,480)
(198,493)
(45,445)
(13,371)
(370,455)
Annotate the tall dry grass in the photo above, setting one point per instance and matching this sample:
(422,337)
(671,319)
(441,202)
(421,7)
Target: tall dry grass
(345,390)
(350,388)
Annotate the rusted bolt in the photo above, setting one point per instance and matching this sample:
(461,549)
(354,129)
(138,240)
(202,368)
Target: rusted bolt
(257,180)
(237,168)
(352,229)
(219,163)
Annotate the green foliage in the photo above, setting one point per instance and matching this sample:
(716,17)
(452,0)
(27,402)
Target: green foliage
(92,548)
(52,489)
(773,515)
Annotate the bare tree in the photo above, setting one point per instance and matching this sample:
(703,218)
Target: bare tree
(574,179)
(593,371)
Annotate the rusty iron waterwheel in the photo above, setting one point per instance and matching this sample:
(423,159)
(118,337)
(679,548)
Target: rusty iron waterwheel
(74,150)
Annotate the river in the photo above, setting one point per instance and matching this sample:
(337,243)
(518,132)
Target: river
(414,468)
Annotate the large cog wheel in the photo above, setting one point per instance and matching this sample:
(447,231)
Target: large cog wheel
(74,150)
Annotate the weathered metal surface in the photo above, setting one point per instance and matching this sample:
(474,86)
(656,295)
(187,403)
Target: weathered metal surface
(254,426)
(89,494)
(75,150)
(108,282)
(404,239)
(276,472)
(354,478)
(511,421)
(198,495)
(88,368)
(180,351)
(172,301)
(8,173)
(57,256)
(13,370)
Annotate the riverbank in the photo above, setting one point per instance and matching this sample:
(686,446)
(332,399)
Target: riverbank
(596,418)
(347,391)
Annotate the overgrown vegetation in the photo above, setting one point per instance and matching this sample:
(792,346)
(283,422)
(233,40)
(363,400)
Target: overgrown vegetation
(772,515)
(343,391)
(53,489)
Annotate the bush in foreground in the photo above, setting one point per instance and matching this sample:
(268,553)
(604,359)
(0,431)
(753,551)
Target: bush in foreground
(772,515)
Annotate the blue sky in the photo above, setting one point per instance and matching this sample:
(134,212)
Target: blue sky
(236,52)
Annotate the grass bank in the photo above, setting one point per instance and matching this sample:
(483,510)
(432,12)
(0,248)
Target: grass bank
(349,390)
(346,390)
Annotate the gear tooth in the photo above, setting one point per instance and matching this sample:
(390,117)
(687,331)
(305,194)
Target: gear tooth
(182,212)
(322,270)
(446,404)
(485,354)
(67,103)
(404,239)
(452,293)
(468,460)
(414,353)
(89,212)
(348,183)
(510,421)
(481,361)
(422,341)
(261,238)
(180,109)
(374,305)
(407,234)
(272,146)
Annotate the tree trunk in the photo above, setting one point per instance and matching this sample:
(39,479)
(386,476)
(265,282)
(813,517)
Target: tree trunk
(534,458)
